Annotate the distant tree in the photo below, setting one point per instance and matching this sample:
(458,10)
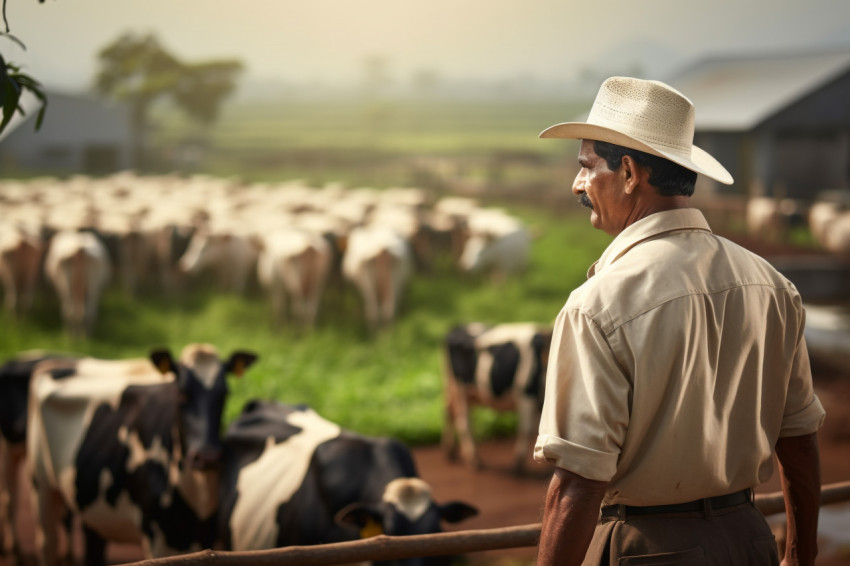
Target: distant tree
(13,83)
(426,82)
(138,70)
(376,76)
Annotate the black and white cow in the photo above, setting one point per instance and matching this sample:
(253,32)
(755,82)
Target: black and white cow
(133,448)
(293,478)
(14,387)
(502,367)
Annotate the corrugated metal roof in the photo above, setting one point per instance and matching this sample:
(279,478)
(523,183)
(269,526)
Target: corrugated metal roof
(739,93)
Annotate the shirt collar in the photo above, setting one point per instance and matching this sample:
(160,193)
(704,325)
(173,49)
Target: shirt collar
(646,228)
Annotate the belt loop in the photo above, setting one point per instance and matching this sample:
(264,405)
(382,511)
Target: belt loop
(621,512)
(706,507)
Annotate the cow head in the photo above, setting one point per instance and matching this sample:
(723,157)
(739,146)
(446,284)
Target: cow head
(200,377)
(406,509)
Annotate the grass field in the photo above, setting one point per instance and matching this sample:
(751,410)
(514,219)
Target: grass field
(384,384)
(397,126)
(374,143)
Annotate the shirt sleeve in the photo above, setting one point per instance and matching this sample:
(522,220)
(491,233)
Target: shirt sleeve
(803,413)
(586,406)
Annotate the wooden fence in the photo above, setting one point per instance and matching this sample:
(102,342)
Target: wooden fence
(390,548)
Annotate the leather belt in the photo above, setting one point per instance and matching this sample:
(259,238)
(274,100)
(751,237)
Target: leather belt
(706,505)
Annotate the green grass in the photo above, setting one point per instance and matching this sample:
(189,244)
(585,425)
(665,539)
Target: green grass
(397,126)
(386,383)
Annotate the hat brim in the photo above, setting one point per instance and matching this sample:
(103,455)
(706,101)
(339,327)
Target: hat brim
(700,161)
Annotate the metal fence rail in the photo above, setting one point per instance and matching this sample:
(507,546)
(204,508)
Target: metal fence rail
(388,548)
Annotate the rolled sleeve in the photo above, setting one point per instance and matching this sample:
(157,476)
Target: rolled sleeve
(586,409)
(586,462)
(805,421)
(803,413)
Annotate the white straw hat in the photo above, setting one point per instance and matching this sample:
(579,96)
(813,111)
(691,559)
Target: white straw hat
(646,115)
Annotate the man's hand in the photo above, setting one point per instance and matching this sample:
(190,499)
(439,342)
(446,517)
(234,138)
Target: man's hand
(569,518)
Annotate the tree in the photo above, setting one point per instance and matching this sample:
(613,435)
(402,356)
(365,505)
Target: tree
(138,70)
(13,83)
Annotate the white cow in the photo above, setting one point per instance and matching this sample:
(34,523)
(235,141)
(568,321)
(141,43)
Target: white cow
(78,266)
(502,367)
(837,237)
(497,242)
(821,215)
(829,223)
(233,256)
(21,250)
(378,262)
(294,263)
(769,218)
(763,218)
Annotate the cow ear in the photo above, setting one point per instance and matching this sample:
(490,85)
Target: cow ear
(456,511)
(163,361)
(364,518)
(239,362)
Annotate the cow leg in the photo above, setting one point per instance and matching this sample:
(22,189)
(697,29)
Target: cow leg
(65,551)
(13,457)
(7,541)
(449,439)
(370,303)
(63,290)
(92,304)
(9,287)
(462,423)
(95,548)
(450,392)
(528,421)
(310,309)
(47,509)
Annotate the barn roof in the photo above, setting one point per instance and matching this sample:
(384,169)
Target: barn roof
(738,93)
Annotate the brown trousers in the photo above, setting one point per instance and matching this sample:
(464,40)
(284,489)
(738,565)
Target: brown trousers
(734,536)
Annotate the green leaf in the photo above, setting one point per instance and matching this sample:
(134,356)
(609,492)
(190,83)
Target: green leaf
(12,85)
(11,96)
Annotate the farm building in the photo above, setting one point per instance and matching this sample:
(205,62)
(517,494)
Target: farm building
(80,134)
(780,124)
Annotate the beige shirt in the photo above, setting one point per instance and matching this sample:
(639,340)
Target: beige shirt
(676,367)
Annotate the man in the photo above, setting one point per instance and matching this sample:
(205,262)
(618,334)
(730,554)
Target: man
(677,370)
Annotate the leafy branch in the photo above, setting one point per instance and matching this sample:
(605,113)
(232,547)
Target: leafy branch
(13,83)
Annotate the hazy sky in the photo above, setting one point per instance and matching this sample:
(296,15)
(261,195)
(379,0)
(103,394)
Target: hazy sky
(328,40)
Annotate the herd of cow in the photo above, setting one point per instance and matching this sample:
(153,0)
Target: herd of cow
(828,219)
(132,450)
(159,232)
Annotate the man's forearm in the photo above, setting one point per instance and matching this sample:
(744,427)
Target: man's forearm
(799,464)
(569,518)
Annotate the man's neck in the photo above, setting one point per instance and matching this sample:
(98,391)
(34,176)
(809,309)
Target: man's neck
(657,203)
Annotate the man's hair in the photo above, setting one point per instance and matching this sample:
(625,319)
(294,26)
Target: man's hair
(670,179)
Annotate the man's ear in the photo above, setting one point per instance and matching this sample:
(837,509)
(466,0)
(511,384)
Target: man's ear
(631,173)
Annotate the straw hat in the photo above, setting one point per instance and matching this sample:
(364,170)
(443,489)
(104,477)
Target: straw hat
(646,115)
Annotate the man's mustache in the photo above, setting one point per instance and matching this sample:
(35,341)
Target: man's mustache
(585,201)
